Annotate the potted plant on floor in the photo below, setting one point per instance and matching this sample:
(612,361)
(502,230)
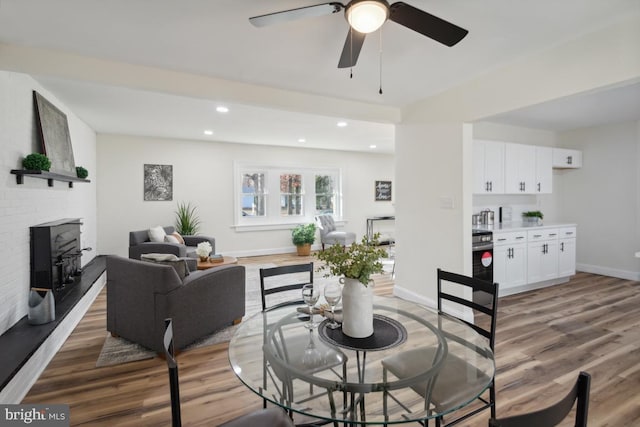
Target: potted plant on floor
(355,265)
(303,236)
(187,221)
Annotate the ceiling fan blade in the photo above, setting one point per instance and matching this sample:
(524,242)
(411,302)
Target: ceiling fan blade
(293,14)
(351,49)
(427,24)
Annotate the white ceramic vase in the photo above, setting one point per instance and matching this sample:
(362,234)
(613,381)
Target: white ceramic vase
(357,308)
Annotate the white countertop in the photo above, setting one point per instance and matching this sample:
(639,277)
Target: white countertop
(518,226)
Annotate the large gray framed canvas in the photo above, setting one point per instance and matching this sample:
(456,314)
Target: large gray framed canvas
(54,130)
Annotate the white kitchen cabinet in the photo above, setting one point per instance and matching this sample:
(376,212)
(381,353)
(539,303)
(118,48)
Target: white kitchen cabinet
(542,255)
(564,158)
(544,170)
(519,168)
(488,167)
(510,259)
(567,252)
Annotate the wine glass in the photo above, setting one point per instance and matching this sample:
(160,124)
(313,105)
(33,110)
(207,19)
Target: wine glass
(310,297)
(332,294)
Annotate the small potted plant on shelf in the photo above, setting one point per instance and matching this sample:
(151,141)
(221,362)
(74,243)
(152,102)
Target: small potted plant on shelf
(303,236)
(355,265)
(81,172)
(533,217)
(36,162)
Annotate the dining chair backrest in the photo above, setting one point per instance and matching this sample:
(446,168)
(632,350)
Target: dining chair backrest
(291,277)
(557,412)
(487,326)
(174,384)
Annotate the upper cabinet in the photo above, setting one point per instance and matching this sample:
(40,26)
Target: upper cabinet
(488,167)
(507,168)
(567,159)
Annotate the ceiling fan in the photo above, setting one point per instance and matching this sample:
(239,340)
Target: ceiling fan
(365,16)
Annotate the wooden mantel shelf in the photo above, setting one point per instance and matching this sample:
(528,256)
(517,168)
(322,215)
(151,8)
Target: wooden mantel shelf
(49,176)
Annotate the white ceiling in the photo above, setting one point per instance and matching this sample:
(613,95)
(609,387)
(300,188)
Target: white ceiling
(214,39)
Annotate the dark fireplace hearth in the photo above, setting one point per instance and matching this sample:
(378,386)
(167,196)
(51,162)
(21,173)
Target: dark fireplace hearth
(55,256)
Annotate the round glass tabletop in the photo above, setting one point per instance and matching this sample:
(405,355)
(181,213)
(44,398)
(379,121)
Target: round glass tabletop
(428,364)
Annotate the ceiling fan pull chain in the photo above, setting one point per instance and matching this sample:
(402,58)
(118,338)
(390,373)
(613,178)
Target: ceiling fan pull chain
(351,51)
(380,91)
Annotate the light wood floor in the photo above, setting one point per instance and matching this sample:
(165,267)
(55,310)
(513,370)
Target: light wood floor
(544,338)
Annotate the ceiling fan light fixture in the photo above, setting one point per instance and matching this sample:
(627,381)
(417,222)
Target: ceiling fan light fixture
(367,16)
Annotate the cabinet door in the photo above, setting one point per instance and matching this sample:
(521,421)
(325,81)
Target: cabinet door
(519,169)
(517,266)
(480,185)
(542,261)
(565,159)
(494,166)
(544,170)
(567,258)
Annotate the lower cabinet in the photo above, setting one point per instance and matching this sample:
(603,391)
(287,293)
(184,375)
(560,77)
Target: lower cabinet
(510,265)
(542,261)
(521,258)
(567,257)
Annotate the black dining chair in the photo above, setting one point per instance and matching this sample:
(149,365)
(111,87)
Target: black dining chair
(554,414)
(284,280)
(273,417)
(448,385)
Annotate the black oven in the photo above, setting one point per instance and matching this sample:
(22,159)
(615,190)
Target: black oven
(482,249)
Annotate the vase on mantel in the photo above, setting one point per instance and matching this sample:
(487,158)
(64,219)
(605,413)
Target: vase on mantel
(357,308)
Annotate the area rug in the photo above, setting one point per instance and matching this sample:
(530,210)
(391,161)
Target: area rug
(118,350)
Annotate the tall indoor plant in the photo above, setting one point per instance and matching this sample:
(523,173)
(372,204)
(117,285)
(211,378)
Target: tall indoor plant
(303,236)
(355,265)
(187,221)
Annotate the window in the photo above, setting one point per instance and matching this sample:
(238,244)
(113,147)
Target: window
(275,196)
(291,195)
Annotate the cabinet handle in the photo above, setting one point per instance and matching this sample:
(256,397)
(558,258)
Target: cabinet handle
(569,160)
(537,235)
(552,235)
(491,186)
(486,186)
(501,240)
(562,247)
(538,187)
(524,186)
(568,233)
(519,237)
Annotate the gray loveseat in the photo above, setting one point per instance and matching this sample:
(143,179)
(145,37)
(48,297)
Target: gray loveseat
(140,295)
(139,244)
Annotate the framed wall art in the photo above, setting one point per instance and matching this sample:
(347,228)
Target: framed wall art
(54,131)
(383,191)
(158,182)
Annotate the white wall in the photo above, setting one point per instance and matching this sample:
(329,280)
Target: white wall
(603,198)
(33,202)
(203,175)
(434,192)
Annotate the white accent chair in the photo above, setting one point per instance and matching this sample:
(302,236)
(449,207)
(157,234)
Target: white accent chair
(329,235)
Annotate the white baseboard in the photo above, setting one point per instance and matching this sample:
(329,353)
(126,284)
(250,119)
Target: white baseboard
(606,271)
(271,251)
(22,381)
(503,292)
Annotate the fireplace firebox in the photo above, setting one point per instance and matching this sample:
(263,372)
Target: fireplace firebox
(55,256)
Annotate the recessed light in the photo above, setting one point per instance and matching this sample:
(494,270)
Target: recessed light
(208,132)
(342,124)
(372,146)
(222,109)
(302,140)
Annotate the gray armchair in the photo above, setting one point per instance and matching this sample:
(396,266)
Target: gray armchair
(329,235)
(140,295)
(139,244)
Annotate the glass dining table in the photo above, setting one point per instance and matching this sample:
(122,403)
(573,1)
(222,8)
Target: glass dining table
(322,373)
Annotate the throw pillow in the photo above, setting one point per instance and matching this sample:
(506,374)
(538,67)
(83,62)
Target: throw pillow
(170,238)
(156,234)
(178,264)
(178,236)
